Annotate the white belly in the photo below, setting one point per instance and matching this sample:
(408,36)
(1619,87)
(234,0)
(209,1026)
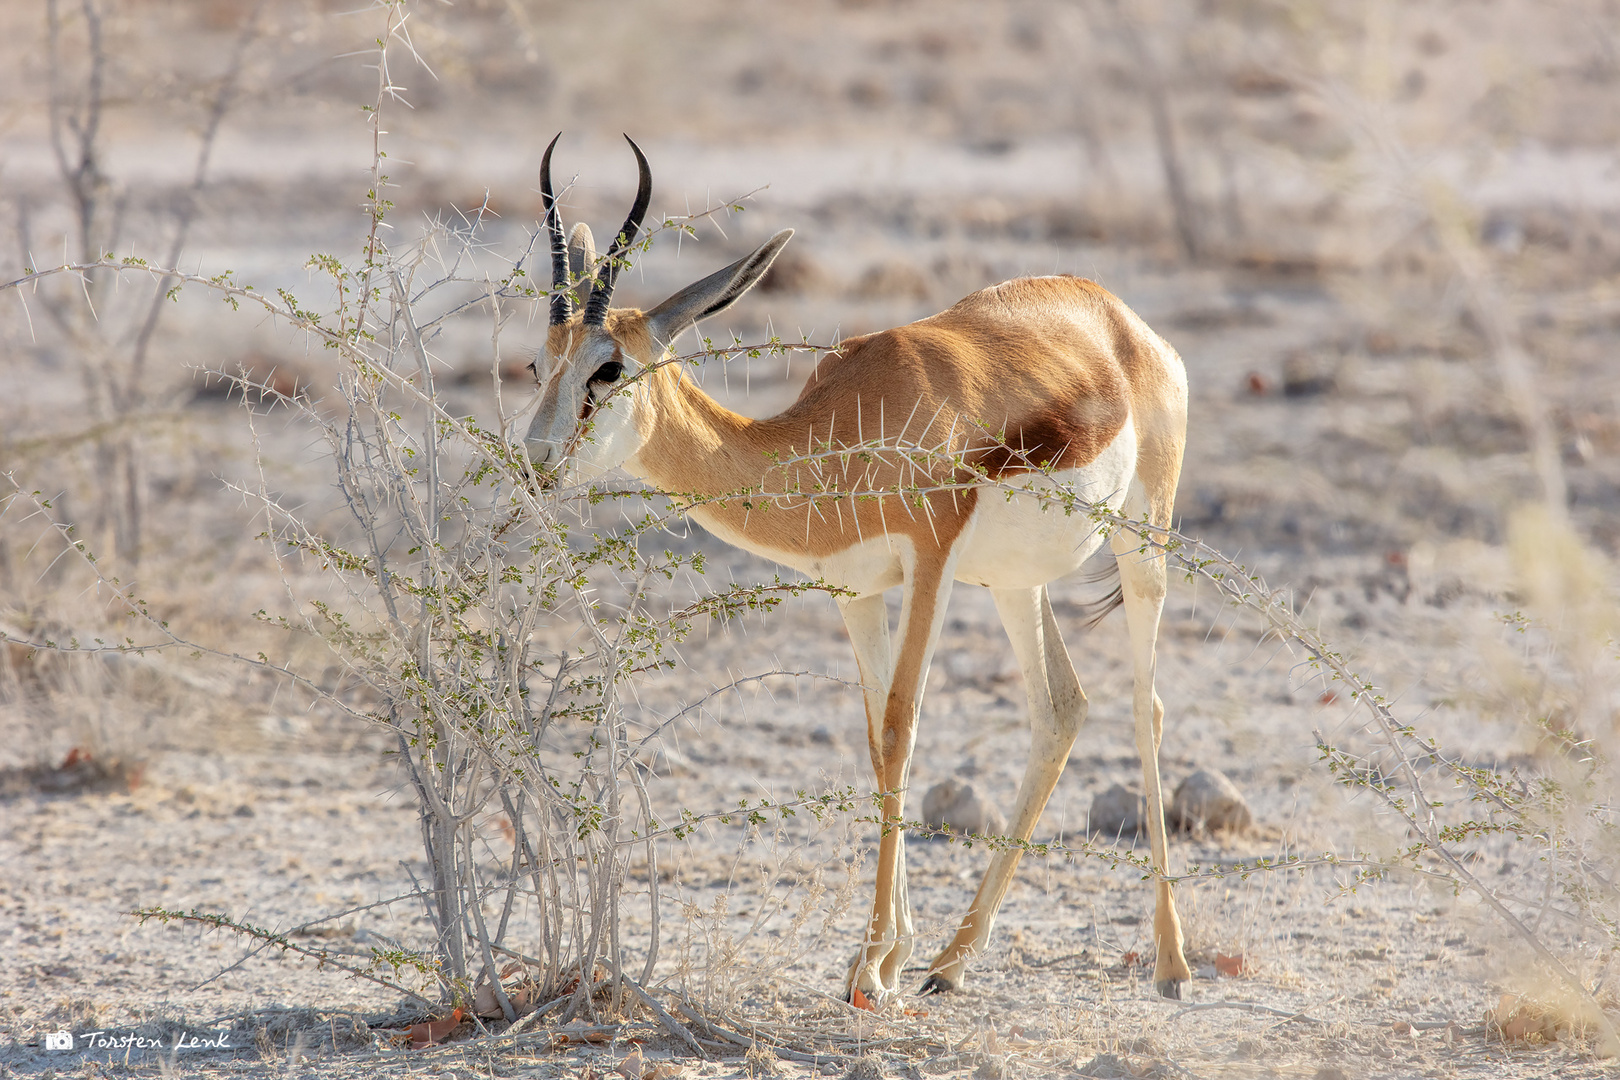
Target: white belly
(1029,541)
(869,566)
(1016,543)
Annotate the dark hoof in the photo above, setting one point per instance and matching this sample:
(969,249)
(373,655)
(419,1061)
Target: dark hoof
(937,984)
(1169,988)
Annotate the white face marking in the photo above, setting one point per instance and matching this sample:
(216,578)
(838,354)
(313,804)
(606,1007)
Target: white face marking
(585,416)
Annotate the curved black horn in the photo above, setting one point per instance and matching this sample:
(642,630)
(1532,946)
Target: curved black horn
(562,303)
(596,307)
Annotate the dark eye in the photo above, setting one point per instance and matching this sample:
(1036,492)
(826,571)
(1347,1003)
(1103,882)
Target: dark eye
(534,368)
(608,372)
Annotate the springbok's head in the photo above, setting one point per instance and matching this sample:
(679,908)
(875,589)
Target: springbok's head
(594,412)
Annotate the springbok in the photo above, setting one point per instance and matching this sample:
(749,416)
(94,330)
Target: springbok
(1031,382)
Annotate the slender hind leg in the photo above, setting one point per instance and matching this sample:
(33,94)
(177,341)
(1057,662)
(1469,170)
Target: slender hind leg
(1057,708)
(1142,580)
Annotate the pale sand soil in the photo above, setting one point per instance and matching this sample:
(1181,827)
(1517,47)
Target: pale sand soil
(278,838)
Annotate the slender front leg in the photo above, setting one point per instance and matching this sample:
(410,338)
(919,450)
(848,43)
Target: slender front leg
(891,734)
(1057,708)
(867,620)
(1142,580)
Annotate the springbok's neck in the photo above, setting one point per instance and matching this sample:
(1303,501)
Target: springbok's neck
(695,445)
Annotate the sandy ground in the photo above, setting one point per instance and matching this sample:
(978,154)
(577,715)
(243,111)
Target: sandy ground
(314,823)
(1349,435)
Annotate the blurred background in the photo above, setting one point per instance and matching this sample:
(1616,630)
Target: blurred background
(1382,235)
(1356,221)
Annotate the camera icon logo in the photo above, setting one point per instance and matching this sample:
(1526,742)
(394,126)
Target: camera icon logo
(58,1040)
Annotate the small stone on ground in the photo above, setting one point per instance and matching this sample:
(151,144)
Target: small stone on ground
(1208,802)
(954,804)
(1117,813)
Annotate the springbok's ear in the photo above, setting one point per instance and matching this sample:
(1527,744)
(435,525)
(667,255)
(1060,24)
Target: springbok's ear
(714,293)
(581,252)
(581,261)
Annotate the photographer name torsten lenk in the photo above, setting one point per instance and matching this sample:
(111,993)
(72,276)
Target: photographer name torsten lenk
(108,1040)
